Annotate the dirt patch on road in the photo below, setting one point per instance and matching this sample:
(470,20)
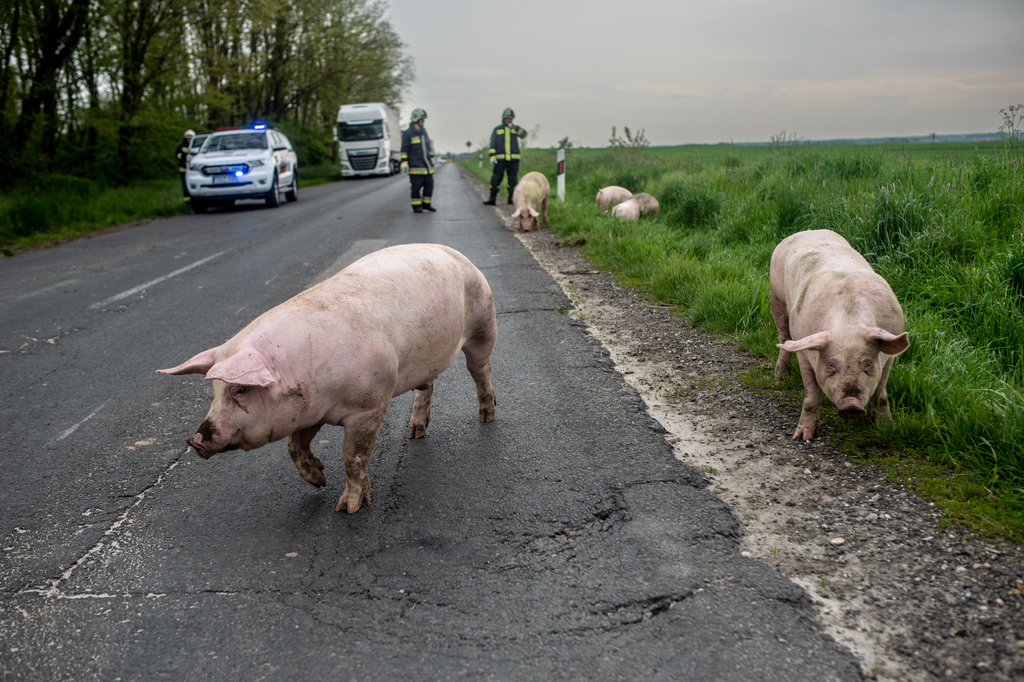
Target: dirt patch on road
(913,602)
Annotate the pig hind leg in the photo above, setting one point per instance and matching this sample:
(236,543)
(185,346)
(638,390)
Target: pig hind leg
(420,418)
(478,361)
(360,435)
(309,465)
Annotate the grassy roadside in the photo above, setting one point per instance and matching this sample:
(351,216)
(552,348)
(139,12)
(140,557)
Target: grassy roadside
(943,223)
(64,207)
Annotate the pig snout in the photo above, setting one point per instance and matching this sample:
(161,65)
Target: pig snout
(204,441)
(196,442)
(850,404)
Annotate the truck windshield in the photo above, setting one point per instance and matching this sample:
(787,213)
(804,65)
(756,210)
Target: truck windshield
(221,143)
(357,132)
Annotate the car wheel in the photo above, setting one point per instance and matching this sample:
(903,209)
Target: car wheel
(293,192)
(273,197)
(198,206)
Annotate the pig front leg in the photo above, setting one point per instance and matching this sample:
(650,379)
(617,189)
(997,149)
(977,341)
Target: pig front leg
(360,435)
(880,399)
(808,423)
(421,411)
(781,316)
(309,465)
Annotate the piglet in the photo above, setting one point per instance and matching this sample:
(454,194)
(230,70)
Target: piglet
(843,320)
(531,199)
(340,351)
(637,206)
(609,196)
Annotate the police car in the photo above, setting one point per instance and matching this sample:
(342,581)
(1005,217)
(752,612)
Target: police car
(243,163)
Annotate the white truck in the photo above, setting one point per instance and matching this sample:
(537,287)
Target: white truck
(369,139)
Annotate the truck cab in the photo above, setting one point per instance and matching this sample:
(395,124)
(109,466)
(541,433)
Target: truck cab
(369,139)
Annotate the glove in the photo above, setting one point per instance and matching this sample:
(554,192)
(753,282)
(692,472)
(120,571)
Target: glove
(494,161)
(405,168)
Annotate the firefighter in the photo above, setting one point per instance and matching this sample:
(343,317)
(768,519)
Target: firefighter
(418,162)
(182,155)
(504,153)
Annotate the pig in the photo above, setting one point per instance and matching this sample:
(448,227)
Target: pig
(843,319)
(609,196)
(338,353)
(532,193)
(637,206)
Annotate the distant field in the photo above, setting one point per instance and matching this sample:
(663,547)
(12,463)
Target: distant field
(943,223)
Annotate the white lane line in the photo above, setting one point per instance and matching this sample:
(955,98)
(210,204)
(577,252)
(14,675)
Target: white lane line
(74,428)
(135,290)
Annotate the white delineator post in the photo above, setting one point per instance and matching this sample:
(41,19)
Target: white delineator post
(561,175)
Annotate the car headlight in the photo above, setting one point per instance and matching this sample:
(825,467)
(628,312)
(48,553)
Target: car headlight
(256,163)
(195,167)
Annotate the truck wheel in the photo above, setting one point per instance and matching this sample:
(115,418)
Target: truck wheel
(198,206)
(396,167)
(273,197)
(292,194)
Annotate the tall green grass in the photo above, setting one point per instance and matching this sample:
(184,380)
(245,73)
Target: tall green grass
(944,224)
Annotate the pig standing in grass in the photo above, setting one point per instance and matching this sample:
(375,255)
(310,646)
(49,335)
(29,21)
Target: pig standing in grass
(843,320)
(637,206)
(609,196)
(340,351)
(531,199)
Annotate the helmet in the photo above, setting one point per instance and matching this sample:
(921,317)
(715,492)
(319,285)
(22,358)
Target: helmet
(508,113)
(417,115)
(190,133)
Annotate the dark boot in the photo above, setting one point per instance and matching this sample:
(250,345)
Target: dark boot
(510,202)
(427,206)
(492,201)
(417,209)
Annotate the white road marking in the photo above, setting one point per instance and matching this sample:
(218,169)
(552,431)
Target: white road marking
(158,280)
(74,428)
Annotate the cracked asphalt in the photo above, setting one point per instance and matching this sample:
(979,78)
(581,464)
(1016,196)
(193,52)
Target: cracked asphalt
(561,541)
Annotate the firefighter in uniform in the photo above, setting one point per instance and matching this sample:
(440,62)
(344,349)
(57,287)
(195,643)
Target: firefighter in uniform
(418,161)
(504,153)
(181,153)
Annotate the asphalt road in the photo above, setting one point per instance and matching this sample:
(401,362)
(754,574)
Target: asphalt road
(561,541)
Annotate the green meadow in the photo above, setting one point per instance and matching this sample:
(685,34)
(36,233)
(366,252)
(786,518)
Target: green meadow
(943,223)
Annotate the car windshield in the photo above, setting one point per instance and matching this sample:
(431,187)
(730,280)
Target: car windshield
(357,132)
(221,143)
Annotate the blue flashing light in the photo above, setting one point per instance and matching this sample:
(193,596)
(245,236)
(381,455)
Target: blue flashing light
(238,173)
(259,126)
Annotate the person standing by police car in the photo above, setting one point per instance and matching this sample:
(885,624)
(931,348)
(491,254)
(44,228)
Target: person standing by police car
(504,153)
(418,162)
(181,153)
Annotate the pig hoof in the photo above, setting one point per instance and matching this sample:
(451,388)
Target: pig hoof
(352,499)
(487,414)
(803,432)
(417,430)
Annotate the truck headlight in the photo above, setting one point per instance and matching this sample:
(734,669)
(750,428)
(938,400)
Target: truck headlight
(195,167)
(256,163)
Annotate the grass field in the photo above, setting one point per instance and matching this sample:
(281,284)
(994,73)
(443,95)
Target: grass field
(61,207)
(943,223)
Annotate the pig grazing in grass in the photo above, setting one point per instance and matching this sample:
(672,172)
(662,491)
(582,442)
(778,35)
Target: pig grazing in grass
(609,196)
(637,206)
(340,351)
(843,320)
(531,199)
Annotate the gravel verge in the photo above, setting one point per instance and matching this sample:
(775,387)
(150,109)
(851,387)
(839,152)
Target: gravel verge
(912,602)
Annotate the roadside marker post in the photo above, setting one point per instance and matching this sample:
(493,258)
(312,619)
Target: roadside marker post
(561,175)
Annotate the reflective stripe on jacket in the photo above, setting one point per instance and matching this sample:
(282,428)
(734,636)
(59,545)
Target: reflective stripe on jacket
(505,142)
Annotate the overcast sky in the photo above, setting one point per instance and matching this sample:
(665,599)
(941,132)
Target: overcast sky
(708,72)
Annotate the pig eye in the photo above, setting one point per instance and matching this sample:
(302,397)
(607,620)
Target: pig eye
(239,391)
(832,366)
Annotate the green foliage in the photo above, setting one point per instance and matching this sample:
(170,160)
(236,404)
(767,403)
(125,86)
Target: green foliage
(944,224)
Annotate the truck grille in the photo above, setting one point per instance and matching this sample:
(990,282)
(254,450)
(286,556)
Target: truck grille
(363,161)
(228,170)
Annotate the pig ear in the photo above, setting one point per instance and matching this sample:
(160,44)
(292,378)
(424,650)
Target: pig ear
(815,342)
(533,212)
(890,344)
(247,367)
(200,364)
(517,213)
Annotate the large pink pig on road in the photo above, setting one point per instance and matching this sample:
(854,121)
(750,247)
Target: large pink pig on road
(340,351)
(531,198)
(843,320)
